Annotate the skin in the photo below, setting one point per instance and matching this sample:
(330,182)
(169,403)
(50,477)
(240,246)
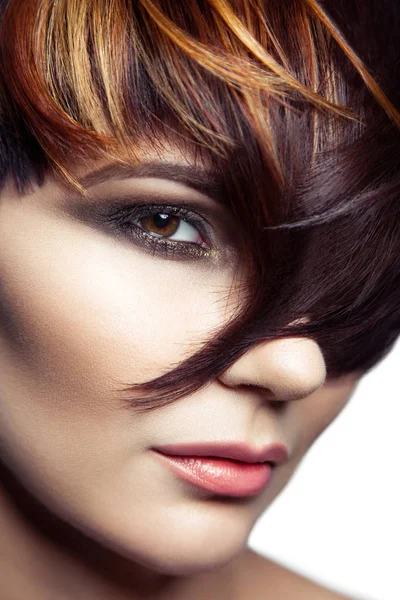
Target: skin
(86,510)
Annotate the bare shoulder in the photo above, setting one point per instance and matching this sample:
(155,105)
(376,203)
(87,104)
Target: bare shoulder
(264,579)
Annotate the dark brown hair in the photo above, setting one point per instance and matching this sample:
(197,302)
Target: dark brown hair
(295,105)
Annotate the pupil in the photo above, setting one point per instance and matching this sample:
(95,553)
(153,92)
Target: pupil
(161,220)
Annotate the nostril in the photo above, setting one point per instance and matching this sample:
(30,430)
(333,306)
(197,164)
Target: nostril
(278,406)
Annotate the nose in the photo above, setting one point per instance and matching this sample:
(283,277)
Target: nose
(289,368)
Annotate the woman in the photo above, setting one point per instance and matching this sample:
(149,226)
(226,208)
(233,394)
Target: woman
(199,260)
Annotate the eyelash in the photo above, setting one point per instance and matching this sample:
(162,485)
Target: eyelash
(121,222)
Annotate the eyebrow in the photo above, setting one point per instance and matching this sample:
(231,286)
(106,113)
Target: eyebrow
(193,176)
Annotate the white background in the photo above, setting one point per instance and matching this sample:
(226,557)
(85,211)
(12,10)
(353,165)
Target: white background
(338,520)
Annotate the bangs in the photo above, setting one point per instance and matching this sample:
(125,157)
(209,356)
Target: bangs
(283,109)
(93,78)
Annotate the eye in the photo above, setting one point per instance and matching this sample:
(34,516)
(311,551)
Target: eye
(174,231)
(171,227)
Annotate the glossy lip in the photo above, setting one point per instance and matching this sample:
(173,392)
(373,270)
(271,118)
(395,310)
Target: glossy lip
(275,453)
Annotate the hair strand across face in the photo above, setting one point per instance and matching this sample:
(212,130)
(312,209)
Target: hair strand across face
(301,131)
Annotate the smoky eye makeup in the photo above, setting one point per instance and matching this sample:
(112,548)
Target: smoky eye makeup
(167,230)
(162,225)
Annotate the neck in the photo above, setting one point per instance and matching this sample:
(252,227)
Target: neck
(40,553)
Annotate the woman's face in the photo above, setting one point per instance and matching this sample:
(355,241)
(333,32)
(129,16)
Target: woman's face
(84,311)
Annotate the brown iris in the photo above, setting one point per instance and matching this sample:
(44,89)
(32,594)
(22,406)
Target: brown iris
(161,224)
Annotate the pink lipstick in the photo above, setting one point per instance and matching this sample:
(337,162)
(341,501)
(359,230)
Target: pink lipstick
(231,469)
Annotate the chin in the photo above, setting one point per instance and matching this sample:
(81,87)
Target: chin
(182,561)
(191,541)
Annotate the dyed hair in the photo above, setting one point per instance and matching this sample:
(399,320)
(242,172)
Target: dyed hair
(295,108)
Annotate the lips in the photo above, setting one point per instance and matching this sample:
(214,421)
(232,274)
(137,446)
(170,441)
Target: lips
(230,469)
(273,453)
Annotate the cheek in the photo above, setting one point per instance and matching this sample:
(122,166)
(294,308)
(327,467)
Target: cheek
(82,317)
(84,308)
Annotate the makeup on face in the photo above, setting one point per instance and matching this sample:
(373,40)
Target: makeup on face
(169,210)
